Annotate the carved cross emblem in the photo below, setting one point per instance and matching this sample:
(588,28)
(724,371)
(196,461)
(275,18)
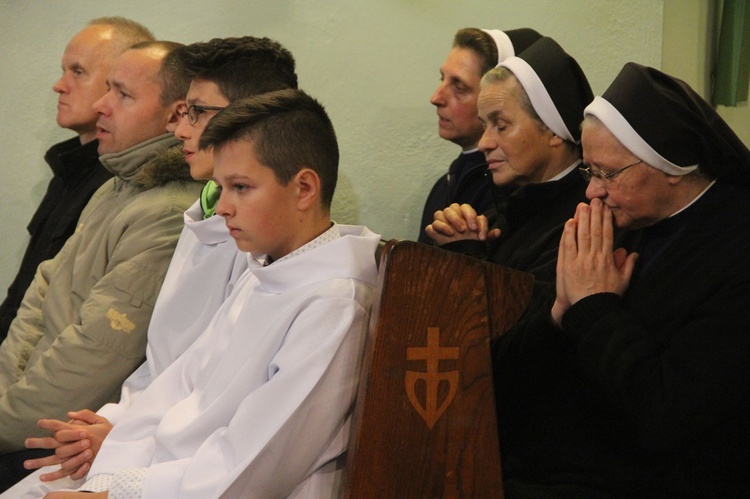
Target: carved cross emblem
(432,354)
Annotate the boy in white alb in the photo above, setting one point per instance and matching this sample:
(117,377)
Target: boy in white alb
(205,265)
(259,405)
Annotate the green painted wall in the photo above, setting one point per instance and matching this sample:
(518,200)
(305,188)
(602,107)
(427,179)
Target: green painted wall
(373,64)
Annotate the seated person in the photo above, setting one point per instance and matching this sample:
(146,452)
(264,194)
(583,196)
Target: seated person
(641,386)
(475,51)
(259,405)
(81,328)
(530,107)
(75,166)
(205,263)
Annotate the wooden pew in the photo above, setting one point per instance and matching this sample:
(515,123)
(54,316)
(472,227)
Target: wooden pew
(424,422)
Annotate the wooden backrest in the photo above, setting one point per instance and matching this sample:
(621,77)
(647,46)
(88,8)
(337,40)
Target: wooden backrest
(424,421)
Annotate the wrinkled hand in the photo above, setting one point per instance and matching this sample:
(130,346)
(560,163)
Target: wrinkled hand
(586,262)
(457,223)
(76,443)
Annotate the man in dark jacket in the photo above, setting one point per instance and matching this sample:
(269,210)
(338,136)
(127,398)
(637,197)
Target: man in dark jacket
(77,173)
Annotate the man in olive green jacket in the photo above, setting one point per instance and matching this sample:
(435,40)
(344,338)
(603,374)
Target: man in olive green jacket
(81,329)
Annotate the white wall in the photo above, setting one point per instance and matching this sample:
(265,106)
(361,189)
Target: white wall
(373,65)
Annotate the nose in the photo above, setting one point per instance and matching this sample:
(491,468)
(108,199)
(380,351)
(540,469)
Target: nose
(182,130)
(595,189)
(438,98)
(101,106)
(487,142)
(60,85)
(223,206)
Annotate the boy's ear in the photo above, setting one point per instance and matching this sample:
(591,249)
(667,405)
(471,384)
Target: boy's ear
(175,114)
(308,183)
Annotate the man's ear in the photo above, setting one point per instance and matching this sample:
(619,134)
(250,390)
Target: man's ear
(175,114)
(308,185)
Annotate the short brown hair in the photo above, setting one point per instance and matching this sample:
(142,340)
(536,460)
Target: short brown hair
(241,67)
(173,80)
(289,130)
(480,43)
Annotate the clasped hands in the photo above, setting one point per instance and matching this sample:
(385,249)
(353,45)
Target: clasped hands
(75,442)
(457,223)
(586,261)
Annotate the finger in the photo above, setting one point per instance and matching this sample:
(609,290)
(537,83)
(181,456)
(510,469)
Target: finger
(33,464)
(568,250)
(618,257)
(608,230)
(71,465)
(561,251)
(53,425)
(66,436)
(430,232)
(595,225)
(454,216)
(626,272)
(571,247)
(560,266)
(584,228)
(470,216)
(68,451)
(437,238)
(442,228)
(42,443)
(81,472)
(482,227)
(51,477)
(493,234)
(85,415)
(566,247)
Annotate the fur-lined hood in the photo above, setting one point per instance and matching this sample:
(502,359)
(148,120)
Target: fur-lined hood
(168,166)
(150,164)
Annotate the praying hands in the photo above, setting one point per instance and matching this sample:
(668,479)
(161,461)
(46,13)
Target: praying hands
(586,262)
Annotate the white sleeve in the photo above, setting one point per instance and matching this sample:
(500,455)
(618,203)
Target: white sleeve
(131,388)
(288,427)
(127,483)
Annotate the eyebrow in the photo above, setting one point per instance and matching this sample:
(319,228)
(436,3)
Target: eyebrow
(117,85)
(453,78)
(456,79)
(494,116)
(233,177)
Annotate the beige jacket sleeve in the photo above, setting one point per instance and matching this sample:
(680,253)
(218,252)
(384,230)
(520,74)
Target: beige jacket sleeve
(85,364)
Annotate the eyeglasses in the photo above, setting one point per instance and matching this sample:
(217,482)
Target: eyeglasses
(588,172)
(194,112)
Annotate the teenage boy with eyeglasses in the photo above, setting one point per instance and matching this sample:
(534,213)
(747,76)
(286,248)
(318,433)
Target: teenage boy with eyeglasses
(205,264)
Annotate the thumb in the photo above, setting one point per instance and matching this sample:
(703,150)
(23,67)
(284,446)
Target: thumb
(626,271)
